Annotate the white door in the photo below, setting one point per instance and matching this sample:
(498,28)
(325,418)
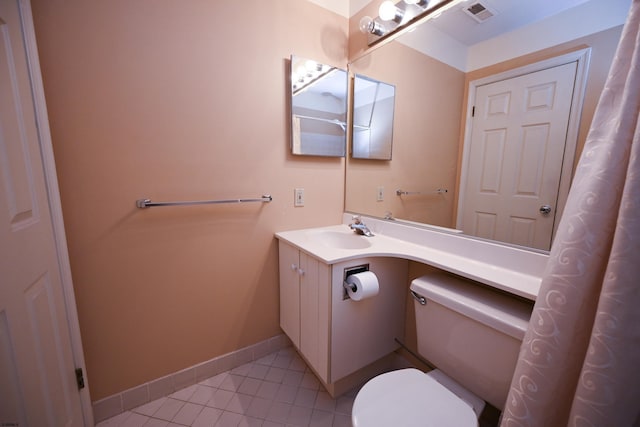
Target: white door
(37,372)
(516,156)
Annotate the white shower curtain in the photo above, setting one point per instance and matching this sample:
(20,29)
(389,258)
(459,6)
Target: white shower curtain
(579,363)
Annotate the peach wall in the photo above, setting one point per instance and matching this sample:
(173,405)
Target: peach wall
(179,100)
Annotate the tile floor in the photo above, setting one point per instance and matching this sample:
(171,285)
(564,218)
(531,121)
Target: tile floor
(276,390)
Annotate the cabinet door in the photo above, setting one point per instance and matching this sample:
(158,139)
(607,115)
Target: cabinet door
(290,269)
(315,293)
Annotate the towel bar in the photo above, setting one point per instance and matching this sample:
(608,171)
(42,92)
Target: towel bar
(409,193)
(147,203)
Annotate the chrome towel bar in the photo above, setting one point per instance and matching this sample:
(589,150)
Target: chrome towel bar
(409,193)
(147,203)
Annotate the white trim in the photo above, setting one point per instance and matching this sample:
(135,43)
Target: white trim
(51,181)
(582,58)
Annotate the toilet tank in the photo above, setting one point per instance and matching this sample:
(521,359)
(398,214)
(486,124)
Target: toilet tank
(470,332)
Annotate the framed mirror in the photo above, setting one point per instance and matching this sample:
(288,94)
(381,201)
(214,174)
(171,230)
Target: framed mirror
(373,108)
(318,108)
(433,68)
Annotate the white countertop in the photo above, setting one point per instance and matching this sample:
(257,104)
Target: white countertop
(510,269)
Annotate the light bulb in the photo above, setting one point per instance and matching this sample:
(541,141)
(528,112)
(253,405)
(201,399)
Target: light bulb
(310,65)
(366,24)
(371,26)
(388,11)
(300,72)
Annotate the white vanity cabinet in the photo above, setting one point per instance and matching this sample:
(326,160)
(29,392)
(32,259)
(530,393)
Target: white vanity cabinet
(338,336)
(345,341)
(305,290)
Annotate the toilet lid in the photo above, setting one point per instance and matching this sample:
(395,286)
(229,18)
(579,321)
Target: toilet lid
(408,398)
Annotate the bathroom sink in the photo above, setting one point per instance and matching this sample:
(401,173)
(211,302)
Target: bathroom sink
(342,240)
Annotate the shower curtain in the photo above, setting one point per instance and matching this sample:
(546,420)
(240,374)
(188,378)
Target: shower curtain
(579,363)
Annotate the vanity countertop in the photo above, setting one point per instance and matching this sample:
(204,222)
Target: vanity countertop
(510,269)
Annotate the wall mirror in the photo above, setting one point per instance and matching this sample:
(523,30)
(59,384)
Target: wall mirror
(373,107)
(318,108)
(432,68)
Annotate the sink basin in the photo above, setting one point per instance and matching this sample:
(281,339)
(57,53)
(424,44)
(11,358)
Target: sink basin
(342,240)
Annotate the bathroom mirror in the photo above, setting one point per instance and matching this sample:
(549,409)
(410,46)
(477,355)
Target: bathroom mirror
(373,107)
(318,108)
(432,68)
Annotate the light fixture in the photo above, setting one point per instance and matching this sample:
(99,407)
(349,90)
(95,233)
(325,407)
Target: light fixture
(403,15)
(371,26)
(421,3)
(304,73)
(389,12)
(313,66)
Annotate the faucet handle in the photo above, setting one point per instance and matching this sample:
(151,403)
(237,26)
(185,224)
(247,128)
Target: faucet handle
(356,219)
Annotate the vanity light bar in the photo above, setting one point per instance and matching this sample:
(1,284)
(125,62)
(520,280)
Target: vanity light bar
(304,77)
(401,17)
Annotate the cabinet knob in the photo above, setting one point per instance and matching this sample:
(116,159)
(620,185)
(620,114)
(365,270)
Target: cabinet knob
(294,267)
(301,272)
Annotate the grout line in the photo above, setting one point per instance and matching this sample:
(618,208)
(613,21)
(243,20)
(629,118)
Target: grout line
(251,407)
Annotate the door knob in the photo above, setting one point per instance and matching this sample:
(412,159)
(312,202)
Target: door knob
(545,209)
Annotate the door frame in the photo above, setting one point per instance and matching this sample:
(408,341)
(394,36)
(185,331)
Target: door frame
(582,57)
(53,195)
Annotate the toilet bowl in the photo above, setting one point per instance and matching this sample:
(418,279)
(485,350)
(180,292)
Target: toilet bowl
(472,334)
(409,397)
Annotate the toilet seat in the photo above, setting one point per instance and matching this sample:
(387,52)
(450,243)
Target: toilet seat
(409,398)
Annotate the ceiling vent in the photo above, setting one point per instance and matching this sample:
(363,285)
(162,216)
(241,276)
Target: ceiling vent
(479,12)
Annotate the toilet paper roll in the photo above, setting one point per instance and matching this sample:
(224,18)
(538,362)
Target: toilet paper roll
(362,285)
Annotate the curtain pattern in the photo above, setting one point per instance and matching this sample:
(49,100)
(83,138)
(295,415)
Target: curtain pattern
(579,363)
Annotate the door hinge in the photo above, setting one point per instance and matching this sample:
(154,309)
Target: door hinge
(473,111)
(80,378)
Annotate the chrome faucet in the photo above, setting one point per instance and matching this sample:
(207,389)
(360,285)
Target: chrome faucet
(359,227)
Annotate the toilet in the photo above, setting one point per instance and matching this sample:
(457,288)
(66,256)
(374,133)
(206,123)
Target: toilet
(472,335)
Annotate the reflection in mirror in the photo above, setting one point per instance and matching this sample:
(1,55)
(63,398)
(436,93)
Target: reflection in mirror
(373,105)
(432,106)
(426,128)
(318,109)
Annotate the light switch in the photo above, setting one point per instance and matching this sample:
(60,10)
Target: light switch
(298,197)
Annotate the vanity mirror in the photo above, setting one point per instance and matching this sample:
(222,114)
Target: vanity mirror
(373,106)
(437,69)
(318,108)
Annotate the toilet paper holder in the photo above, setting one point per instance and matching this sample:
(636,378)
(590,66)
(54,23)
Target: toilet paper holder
(346,285)
(348,272)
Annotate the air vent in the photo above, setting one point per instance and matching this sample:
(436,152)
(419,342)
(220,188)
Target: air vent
(479,12)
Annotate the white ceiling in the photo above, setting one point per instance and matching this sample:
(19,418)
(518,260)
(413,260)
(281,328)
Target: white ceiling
(519,27)
(509,15)
(346,8)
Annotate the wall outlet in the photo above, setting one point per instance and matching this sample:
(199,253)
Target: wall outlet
(298,197)
(380,194)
